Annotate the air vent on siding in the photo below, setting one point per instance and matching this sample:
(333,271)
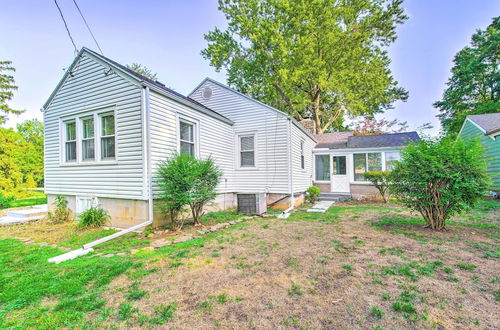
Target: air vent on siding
(207,93)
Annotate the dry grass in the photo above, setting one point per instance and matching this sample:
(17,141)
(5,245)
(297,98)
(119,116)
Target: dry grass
(305,273)
(361,265)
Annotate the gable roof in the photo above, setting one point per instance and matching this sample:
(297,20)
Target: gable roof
(489,122)
(143,80)
(299,125)
(346,140)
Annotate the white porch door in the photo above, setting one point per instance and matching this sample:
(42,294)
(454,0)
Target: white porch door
(340,177)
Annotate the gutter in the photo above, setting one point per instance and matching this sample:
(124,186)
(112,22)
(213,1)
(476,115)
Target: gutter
(286,213)
(87,248)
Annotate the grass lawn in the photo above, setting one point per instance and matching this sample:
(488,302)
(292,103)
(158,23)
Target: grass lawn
(37,198)
(357,266)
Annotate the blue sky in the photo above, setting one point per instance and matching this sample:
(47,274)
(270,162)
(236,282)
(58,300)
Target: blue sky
(167,36)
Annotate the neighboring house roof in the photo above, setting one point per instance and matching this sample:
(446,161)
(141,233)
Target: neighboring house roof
(299,125)
(140,78)
(488,122)
(346,140)
(336,140)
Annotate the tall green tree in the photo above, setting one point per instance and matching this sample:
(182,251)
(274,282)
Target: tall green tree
(473,87)
(316,59)
(7,88)
(32,161)
(144,70)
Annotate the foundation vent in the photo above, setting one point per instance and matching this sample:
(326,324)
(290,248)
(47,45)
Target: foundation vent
(252,203)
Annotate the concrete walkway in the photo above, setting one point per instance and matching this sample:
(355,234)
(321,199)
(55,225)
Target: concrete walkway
(19,216)
(321,207)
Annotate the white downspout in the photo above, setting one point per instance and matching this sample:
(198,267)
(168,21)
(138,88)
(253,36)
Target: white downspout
(87,248)
(286,213)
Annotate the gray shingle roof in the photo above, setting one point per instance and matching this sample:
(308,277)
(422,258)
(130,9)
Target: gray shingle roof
(155,83)
(346,140)
(490,122)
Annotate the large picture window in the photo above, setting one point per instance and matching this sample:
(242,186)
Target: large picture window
(186,135)
(88,143)
(107,136)
(366,162)
(70,141)
(322,165)
(247,150)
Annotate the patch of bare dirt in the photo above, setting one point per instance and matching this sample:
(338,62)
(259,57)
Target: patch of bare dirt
(304,274)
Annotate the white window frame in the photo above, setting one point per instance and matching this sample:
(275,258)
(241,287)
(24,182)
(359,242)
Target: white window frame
(65,140)
(99,139)
(302,155)
(96,113)
(196,133)
(255,150)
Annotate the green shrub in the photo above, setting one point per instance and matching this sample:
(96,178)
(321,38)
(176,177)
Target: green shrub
(440,178)
(312,194)
(185,180)
(62,213)
(381,180)
(94,217)
(5,202)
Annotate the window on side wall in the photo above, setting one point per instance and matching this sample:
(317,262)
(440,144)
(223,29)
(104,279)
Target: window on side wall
(187,138)
(247,150)
(107,136)
(391,157)
(366,162)
(302,159)
(88,142)
(70,141)
(322,166)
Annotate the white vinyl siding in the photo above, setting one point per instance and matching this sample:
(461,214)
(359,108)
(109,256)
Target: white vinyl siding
(271,140)
(93,88)
(302,147)
(214,137)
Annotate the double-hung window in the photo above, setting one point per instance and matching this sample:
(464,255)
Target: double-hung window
(247,150)
(366,162)
(88,142)
(302,159)
(107,136)
(70,141)
(186,138)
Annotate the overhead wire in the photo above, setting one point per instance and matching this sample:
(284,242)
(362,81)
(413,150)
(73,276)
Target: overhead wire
(88,27)
(66,26)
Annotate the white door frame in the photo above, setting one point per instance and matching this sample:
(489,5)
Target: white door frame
(340,183)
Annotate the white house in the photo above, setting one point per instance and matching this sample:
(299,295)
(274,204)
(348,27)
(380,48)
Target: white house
(107,128)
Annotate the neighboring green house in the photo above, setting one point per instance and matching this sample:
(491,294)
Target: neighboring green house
(487,128)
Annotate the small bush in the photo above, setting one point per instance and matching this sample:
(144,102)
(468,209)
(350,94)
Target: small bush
(62,213)
(94,217)
(377,312)
(5,202)
(312,194)
(381,180)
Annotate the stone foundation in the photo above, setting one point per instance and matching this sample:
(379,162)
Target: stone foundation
(284,204)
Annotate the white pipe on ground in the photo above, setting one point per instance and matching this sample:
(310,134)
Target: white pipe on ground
(87,248)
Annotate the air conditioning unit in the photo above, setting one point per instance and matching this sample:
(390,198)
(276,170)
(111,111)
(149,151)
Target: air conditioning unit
(252,203)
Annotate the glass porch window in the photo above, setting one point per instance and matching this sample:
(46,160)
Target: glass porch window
(322,165)
(391,158)
(339,165)
(366,162)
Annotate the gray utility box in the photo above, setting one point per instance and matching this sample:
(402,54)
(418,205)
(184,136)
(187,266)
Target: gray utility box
(252,203)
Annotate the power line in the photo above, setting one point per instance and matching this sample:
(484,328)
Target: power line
(88,27)
(66,26)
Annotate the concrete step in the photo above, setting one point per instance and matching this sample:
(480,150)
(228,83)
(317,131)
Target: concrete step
(39,210)
(334,197)
(11,220)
